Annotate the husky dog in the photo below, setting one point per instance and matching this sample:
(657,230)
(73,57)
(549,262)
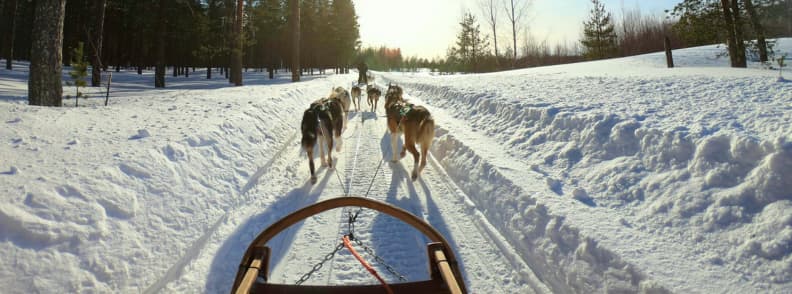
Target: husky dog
(395,91)
(322,121)
(372,96)
(415,122)
(356,94)
(342,96)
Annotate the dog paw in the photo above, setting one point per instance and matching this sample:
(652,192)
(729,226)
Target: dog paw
(403,154)
(313,180)
(414,176)
(324,163)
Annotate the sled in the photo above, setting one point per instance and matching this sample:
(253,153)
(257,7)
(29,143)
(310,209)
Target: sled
(252,275)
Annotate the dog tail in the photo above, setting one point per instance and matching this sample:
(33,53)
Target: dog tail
(308,129)
(426,131)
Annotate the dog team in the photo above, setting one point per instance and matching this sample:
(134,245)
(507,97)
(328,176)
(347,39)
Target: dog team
(325,120)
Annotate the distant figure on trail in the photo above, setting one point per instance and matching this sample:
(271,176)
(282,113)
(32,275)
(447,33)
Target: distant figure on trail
(362,68)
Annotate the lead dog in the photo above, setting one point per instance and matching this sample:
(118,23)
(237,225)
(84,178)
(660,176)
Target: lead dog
(322,121)
(415,122)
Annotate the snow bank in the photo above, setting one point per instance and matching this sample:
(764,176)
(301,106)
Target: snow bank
(561,257)
(701,156)
(108,199)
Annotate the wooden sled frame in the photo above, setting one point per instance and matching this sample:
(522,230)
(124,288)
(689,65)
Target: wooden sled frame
(443,267)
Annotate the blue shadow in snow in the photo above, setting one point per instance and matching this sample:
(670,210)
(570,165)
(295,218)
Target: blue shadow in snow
(226,263)
(398,243)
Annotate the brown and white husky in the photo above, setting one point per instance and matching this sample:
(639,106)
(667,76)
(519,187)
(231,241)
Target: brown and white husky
(415,122)
(342,95)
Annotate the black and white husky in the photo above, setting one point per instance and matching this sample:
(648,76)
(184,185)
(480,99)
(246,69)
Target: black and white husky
(322,122)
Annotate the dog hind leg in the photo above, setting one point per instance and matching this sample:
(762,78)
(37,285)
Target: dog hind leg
(394,138)
(321,149)
(409,145)
(330,151)
(311,164)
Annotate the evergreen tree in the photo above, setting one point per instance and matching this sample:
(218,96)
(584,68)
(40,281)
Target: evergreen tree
(599,36)
(470,45)
(79,71)
(696,20)
(343,21)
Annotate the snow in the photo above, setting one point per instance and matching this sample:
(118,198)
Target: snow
(607,176)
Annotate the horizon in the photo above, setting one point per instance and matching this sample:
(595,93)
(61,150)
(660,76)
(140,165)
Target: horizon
(415,39)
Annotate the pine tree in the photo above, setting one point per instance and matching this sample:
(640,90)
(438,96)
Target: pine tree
(471,46)
(79,71)
(599,36)
(343,21)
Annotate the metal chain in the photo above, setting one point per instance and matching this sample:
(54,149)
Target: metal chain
(319,265)
(381,261)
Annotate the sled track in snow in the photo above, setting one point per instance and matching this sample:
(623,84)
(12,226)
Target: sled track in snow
(489,261)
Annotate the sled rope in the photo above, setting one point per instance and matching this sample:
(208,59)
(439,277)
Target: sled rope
(365,264)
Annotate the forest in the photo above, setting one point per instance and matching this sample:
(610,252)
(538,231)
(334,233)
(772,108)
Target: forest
(228,37)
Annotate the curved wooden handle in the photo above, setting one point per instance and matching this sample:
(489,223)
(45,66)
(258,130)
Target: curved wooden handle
(319,207)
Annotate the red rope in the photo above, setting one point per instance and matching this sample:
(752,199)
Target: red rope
(365,264)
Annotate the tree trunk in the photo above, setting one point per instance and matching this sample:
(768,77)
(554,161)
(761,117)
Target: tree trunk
(9,35)
(731,40)
(514,33)
(46,59)
(159,72)
(738,34)
(236,59)
(669,56)
(295,27)
(758,29)
(96,62)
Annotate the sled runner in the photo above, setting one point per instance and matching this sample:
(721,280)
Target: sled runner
(252,276)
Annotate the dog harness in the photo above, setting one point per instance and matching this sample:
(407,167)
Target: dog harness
(405,110)
(320,106)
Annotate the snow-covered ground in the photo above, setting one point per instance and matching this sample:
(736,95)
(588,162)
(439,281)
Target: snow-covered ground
(617,176)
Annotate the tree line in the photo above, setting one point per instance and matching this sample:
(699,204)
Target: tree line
(744,25)
(224,36)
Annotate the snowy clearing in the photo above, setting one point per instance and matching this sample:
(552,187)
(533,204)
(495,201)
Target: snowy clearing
(608,176)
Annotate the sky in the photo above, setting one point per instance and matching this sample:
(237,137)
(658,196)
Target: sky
(426,28)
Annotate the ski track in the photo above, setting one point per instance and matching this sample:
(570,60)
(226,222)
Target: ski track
(489,264)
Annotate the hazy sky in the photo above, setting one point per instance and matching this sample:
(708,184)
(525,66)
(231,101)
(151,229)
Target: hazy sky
(427,28)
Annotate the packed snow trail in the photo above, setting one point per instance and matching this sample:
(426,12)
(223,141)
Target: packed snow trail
(281,186)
